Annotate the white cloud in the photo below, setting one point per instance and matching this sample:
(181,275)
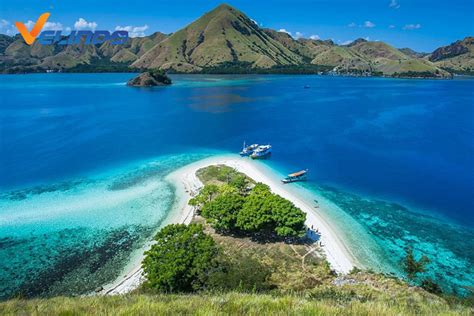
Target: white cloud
(369,24)
(391,26)
(315,37)
(29,25)
(52,26)
(82,24)
(4,24)
(48,26)
(284,31)
(133,31)
(412,26)
(394,4)
(10,29)
(298,35)
(6,27)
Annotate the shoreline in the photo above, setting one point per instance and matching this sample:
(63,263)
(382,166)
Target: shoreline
(187,184)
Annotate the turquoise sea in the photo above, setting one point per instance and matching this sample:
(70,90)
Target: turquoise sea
(83,160)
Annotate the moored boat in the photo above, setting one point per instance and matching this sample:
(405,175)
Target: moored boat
(297,176)
(262,152)
(248,150)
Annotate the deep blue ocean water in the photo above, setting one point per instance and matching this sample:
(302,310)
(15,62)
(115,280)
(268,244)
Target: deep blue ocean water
(82,161)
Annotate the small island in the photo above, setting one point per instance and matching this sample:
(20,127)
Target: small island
(242,244)
(150,78)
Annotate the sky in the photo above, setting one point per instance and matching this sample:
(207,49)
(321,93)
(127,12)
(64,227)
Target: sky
(418,24)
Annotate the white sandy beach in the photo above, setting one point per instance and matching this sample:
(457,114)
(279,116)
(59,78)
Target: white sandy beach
(187,185)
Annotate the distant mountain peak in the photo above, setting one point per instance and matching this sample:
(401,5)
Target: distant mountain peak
(225,39)
(454,49)
(357,41)
(224,6)
(221,36)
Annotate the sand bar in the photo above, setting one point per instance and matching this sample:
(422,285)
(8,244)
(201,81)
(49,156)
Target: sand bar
(187,185)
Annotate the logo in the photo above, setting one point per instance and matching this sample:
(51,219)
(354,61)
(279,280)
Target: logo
(30,37)
(74,38)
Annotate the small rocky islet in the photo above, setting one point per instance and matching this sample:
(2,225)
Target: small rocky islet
(150,78)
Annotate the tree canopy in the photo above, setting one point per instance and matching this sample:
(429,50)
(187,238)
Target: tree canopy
(159,75)
(221,212)
(180,260)
(259,212)
(412,266)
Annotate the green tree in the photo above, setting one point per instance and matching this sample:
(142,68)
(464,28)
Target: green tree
(205,195)
(180,260)
(221,212)
(159,75)
(256,213)
(225,174)
(412,266)
(239,182)
(268,213)
(289,220)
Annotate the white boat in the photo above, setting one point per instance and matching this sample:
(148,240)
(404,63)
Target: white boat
(248,150)
(262,152)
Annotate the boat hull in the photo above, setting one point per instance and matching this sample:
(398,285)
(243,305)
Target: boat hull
(286,181)
(264,156)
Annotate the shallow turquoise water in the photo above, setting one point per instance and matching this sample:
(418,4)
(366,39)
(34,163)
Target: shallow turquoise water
(74,236)
(394,228)
(82,161)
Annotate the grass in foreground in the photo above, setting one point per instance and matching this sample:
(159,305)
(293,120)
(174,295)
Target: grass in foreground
(223,304)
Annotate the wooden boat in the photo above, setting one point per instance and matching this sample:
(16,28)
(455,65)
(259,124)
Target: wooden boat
(297,176)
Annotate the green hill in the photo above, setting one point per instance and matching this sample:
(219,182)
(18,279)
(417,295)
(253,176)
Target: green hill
(457,57)
(361,56)
(223,35)
(410,52)
(225,40)
(344,60)
(306,48)
(390,61)
(5,41)
(17,56)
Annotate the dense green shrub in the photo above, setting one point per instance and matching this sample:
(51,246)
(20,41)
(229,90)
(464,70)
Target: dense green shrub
(271,214)
(180,260)
(221,212)
(228,208)
(205,195)
(159,75)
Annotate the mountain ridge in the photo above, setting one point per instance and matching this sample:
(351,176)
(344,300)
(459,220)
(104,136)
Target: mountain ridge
(225,40)
(457,57)
(222,35)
